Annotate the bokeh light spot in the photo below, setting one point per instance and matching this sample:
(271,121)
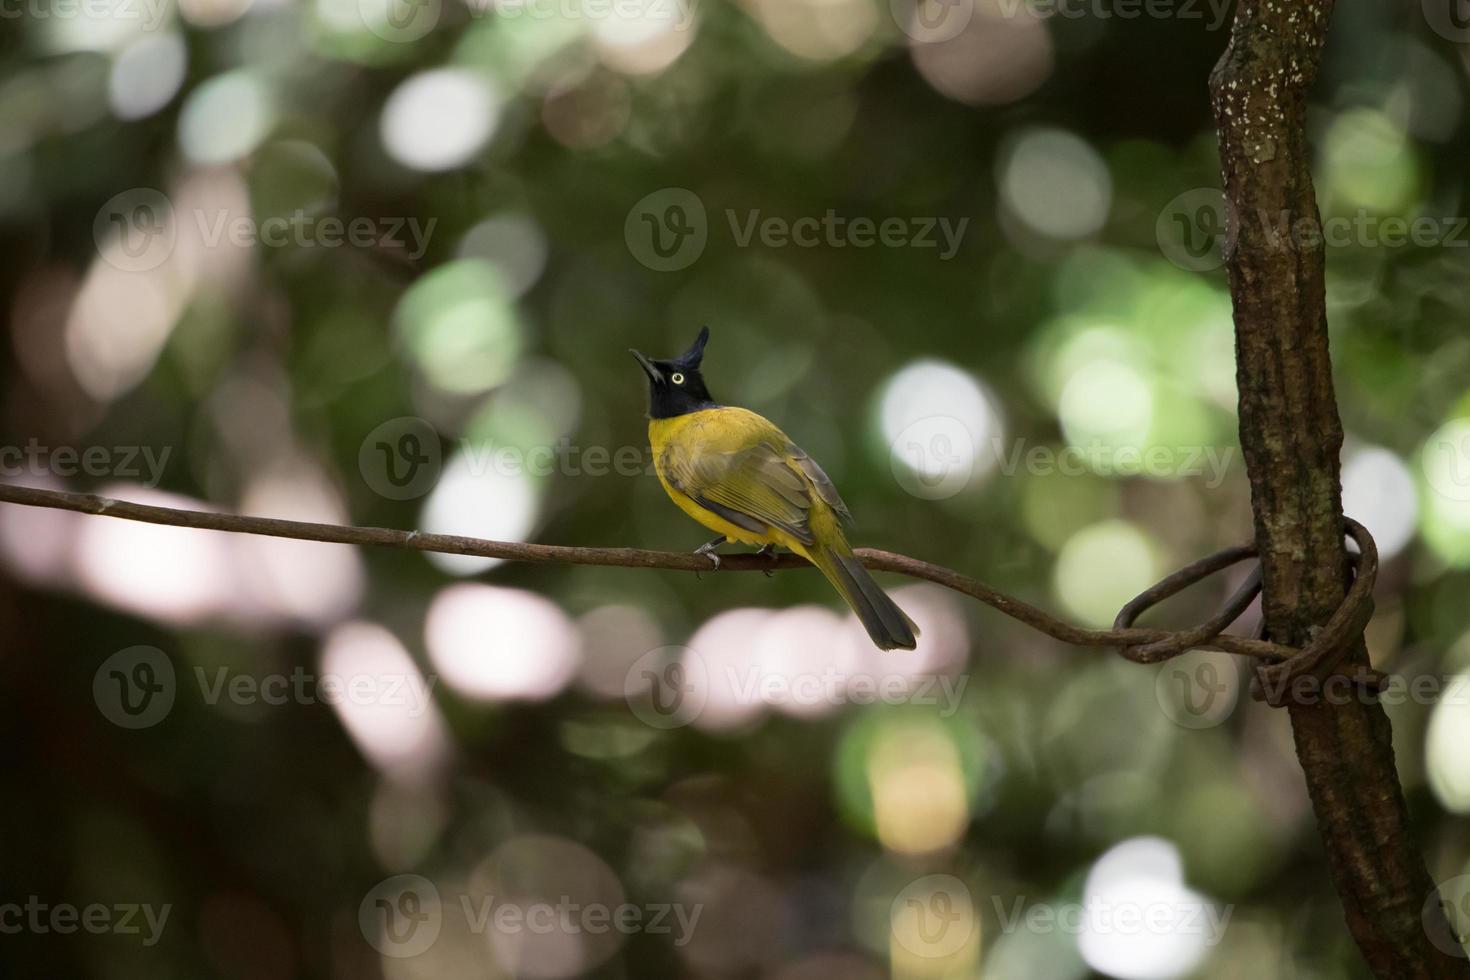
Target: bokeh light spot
(439,119)
(1378,491)
(1103,566)
(225,118)
(495,644)
(146,75)
(1056,183)
(461,326)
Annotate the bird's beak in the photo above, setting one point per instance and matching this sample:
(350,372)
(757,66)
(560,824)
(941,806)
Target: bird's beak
(653,373)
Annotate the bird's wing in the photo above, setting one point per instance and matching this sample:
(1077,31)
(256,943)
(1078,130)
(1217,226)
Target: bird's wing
(821,483)
(754,486)
(750,473)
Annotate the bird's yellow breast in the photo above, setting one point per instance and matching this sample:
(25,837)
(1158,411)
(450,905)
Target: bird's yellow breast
(712,430)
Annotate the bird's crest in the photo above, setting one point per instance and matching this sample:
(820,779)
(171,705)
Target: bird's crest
(692,357)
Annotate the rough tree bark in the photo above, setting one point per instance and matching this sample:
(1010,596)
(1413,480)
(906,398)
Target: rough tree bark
(1290,436)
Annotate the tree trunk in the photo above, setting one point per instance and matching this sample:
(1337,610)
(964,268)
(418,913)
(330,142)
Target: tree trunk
(1290,435)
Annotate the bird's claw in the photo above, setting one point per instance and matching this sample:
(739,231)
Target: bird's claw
(708,550)
(768,551)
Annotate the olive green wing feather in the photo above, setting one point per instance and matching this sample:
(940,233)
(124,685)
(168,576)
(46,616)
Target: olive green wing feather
(754,487)
(821,483)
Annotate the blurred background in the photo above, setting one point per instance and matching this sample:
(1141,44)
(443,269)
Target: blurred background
(377,262)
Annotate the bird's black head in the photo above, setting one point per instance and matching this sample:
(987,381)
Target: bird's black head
(675,386)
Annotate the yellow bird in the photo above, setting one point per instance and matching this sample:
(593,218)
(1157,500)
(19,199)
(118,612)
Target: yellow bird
(740,476)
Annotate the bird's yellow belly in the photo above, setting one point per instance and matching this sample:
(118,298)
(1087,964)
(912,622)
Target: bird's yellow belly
(717,523)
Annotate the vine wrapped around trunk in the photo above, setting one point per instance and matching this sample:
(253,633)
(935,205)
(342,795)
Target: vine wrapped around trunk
(1290,436)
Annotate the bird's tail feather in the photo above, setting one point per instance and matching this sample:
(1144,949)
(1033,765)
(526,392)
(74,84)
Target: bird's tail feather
(887,624)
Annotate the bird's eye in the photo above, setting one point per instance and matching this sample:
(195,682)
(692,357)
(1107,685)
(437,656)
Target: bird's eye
(677,378)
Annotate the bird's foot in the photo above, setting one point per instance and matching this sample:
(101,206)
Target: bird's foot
(768,551)
(708,550)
